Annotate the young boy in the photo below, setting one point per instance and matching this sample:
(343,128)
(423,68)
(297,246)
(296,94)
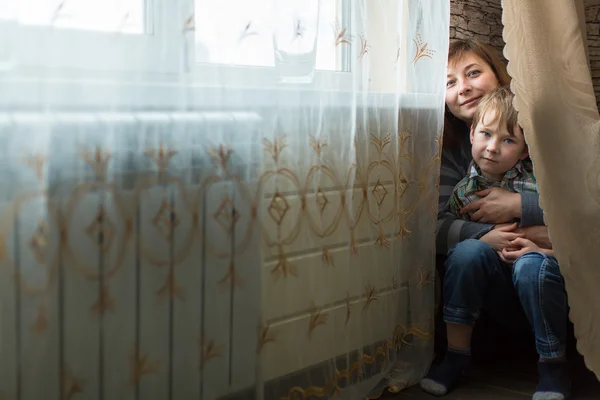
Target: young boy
(500,159)
(499,153)
(477,276)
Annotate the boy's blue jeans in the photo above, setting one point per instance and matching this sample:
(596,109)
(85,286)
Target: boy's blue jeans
(476,278)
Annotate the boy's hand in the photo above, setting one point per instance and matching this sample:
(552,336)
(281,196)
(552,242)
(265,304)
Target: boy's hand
(501,236)
(517,248)
(495,206)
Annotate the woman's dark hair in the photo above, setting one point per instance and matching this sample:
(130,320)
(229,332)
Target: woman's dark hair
(454,128)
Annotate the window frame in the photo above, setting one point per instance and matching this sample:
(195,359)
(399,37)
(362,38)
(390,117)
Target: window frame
(98,51)
(80,77)
(205,73)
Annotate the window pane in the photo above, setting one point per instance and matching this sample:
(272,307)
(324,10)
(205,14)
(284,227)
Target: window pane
(240,33)
(125,16)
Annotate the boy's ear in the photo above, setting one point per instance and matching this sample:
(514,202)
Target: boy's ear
(525,153)
(472,133)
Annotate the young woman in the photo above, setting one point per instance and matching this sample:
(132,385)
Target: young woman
(477,276)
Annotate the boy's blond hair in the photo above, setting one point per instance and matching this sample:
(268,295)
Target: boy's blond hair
(500,101)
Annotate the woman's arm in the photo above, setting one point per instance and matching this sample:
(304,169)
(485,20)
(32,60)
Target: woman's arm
(500,206)
(450,229)
(531,213)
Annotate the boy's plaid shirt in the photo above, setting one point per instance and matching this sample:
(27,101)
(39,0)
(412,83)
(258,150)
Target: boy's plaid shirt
(517,180)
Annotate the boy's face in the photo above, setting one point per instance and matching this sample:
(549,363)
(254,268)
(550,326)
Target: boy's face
(494,149)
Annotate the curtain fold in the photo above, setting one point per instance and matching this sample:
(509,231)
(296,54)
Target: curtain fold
(236,200)
(546,49)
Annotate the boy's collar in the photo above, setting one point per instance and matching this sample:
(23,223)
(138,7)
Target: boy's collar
(515,171)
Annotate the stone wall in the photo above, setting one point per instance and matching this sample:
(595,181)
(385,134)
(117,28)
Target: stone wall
(478,19)
(592,19)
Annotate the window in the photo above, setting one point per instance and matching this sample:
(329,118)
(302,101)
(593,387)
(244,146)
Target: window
(241,32)
(144,39)
(126,16)
(92,35)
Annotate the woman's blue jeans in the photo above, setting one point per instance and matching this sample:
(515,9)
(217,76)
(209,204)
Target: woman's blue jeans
(476,278)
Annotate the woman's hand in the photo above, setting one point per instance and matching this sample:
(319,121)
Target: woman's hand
(496,206)
(501,236)
(538,234)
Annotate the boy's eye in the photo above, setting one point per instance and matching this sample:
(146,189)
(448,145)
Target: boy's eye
(486,134)
(509,141)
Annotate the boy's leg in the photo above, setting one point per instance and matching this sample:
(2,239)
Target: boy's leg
(472,268)
(541,290)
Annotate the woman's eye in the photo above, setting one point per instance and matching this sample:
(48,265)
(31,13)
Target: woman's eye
(509,141)
(449,83)
(473,73)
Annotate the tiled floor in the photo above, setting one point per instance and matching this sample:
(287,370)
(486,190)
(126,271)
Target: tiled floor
(507,382)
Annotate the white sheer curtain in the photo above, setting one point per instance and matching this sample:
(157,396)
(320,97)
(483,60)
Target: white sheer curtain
(231,199)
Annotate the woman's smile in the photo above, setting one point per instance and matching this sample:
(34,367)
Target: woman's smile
(471,102)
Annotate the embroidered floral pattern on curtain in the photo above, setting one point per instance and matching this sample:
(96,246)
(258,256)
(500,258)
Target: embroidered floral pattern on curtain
(217,231)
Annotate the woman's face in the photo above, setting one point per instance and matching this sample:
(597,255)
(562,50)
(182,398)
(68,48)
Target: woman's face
(469,79)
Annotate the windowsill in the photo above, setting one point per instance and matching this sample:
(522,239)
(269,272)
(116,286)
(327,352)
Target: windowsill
(31,94)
